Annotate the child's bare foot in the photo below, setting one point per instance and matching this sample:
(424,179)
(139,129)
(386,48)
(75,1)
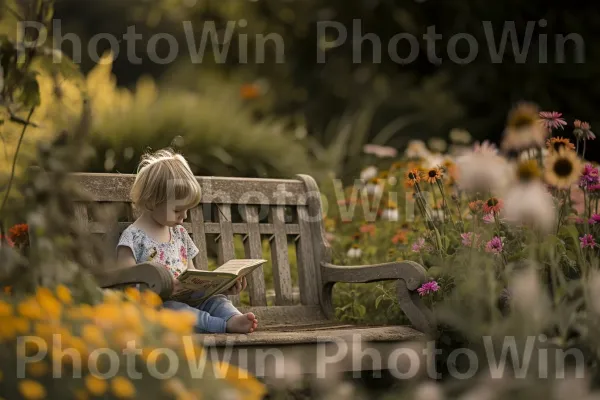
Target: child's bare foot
(243,323)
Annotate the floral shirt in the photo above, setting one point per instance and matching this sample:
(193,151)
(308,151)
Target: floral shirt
(174,255)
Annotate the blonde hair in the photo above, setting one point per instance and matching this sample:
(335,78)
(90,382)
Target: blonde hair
(164,176)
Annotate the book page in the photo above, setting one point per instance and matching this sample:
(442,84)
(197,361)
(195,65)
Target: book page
(235,266)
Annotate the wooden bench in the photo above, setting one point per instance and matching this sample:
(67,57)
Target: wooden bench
(284,212)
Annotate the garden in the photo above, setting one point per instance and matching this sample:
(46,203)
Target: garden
(506,226)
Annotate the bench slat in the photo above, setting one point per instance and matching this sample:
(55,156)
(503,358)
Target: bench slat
(209,227)
(279,256)
(199,237)
(253,249)
(221,190)
(307,275)
(225,240)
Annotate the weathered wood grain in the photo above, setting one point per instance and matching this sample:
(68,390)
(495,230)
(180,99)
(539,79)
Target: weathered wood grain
(199,237)
(282,278)
(307,269)
(116,187)
(253,249)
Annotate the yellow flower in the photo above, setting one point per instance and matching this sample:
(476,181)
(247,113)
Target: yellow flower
(151,314)
(190,351)
(562,168)
(6,309)
(174,386)
(95,386)
(84,311)
(112,296)
(7,331)
(122,387)
(80,394)
(151,299)
(133,294)
(528,171)
(122,337)
(37,369)
(131,317)
(64,294)
(31,390)
(30,308)
(250,387)
(108,315)
(93,335)
(21,324)
(177,321)
(48,302)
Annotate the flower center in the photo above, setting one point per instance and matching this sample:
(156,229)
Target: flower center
(432,173)
(411,176)
(522,120)
(493,202)
(563,167)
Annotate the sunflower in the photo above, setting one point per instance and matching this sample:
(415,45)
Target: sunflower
(413,176)
(433,175)
(557,143)
(523,129)
(562,168)
(528,171)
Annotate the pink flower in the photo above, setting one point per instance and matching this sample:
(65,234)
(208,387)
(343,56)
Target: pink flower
(467,239)
(589,176)
(594,188)
(486,147)
(587,240)
(595,218)
(494,246)
(552,120)
(380,151)
(488,218)
(428,287)
(583,130)
(418,245)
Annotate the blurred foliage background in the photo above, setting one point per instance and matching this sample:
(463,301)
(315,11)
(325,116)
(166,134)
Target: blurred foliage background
(277,118)
(385,102)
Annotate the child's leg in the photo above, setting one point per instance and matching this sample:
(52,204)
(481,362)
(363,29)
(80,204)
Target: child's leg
(205,323)
(220,306)
(235,322)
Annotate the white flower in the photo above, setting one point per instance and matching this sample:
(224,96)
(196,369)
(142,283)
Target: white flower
(460,136)
(434,160)
(368,173)
(416,149)
(483,172)
(530,204)
(390,214)
(354,252)
(373,189)
(437,144)
(380,151)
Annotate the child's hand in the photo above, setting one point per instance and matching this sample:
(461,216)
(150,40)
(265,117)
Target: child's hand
(240,285)
(177,286)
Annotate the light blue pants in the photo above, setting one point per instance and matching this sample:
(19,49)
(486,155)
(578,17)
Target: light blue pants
(213,314)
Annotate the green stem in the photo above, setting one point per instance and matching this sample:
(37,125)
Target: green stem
(14,163)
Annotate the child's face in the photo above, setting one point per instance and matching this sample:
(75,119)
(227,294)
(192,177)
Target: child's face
(169,214)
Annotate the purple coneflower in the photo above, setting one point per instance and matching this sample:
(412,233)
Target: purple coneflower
(494,246)
(418,245)
(594,219)
(587,240)
(428,287)
(467,239)
(589,176)
(488,218)
(552,120)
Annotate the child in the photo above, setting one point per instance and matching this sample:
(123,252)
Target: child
(164,190)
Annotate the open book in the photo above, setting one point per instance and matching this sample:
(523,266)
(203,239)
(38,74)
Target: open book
(200,285)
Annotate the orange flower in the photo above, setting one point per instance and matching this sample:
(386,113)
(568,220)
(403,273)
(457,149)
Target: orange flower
(413,176)
(556,143)
(250,91)
(400,237)
(433,175)
(368,228)
(493,204)
(476,206)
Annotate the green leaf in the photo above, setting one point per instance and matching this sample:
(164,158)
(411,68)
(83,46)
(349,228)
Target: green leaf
(378,301)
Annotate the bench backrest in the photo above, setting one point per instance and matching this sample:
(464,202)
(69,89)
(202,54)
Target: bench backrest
(253,210)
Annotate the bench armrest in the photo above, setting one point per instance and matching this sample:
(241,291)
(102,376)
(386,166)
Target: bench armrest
(154,276)
(410,275)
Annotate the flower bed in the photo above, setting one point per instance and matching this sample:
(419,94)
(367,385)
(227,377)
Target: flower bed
(473,210)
